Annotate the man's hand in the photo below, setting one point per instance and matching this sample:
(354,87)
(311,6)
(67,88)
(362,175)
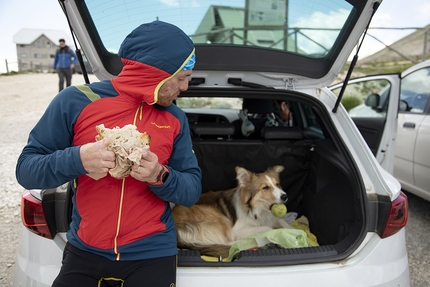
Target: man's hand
(72,66)
(96,158)
(148,167)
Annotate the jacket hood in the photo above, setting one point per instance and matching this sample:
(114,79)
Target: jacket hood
(152,53)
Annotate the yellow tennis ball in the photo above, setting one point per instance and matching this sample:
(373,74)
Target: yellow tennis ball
(279,210)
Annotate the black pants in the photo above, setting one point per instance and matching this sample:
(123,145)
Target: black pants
(64,74)
(84,269)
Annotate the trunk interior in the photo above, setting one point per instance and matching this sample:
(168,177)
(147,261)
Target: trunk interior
(320,179)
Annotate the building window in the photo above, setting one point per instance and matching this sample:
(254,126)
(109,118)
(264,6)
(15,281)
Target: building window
(23,55)
(36,56)
(48,44)
(38,44)
(52,56)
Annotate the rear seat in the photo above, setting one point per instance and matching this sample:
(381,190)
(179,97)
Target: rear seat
(218,155)
(212,130)
(258,110)
(282,133)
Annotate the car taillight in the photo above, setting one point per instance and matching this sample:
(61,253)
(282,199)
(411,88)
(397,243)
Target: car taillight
(33,216)
(397,217)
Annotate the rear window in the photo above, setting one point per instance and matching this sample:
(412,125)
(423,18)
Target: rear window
(303,27)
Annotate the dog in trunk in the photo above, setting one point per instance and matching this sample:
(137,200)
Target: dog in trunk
(220,218)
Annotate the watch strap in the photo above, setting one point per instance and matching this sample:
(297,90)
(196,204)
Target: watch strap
(162,176)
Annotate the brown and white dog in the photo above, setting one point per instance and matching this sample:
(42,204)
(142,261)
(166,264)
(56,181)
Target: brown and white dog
(221,218)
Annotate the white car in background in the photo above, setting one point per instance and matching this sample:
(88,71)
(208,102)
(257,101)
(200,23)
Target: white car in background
(249,55)
(412,149)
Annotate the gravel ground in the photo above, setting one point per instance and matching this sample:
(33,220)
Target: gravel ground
(23,99)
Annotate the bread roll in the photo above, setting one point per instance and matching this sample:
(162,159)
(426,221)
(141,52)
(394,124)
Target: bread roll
(127,143)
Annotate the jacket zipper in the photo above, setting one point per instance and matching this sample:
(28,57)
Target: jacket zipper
(119,221)
(138,113)
(121,201)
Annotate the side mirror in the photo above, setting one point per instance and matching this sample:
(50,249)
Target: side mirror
(403,106)
(372,100)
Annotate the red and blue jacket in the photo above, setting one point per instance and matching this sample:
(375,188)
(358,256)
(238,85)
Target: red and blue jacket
(120,219)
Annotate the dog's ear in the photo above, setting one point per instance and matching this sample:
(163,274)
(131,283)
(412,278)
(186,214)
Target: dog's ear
(277,168)
(243,176)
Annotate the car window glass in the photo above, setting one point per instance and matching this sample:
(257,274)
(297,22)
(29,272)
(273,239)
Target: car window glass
(415,89)
(367,98)
(209,103)
(307,27)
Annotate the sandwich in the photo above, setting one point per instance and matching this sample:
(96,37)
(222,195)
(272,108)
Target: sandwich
(127,143)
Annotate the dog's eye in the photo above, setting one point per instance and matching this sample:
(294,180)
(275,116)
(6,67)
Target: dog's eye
(266,187)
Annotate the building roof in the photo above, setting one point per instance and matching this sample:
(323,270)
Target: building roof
(28,36)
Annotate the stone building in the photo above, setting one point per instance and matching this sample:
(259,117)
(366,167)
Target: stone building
(35,48)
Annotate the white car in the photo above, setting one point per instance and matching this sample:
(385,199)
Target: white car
(251,54)
(412,149)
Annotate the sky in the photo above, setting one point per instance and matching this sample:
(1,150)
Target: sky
(47,14)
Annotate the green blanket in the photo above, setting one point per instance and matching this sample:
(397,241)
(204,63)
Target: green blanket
(299,236)
(285,237)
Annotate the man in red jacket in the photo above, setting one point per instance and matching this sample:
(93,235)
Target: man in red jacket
(122,230)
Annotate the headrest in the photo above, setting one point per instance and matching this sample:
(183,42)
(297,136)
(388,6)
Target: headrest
(282,133)
(213,129)
(258,106)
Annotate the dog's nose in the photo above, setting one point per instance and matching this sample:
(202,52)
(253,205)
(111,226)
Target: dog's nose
(284,197)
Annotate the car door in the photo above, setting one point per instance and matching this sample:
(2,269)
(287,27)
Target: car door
(412,153)
(373,102)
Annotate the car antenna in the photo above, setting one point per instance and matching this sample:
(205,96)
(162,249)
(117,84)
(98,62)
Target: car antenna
(354,61)
(77,51)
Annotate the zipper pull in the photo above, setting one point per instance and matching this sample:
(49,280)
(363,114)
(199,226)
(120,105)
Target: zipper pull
(140,110)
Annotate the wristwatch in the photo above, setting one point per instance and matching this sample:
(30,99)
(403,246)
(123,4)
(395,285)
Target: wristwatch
(162,176)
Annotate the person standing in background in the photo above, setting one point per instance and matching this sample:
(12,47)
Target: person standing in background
(64,63)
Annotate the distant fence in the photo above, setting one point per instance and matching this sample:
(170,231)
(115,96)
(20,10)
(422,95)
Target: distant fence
(19,66)
(9,66)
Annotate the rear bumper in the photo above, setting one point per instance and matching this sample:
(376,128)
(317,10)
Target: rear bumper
(38,261)
(380,262)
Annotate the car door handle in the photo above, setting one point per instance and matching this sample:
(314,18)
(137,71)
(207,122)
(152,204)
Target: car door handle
(409,125)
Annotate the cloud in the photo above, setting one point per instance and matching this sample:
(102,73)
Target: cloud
(172,3)
(195,4)
(382,19)
(423,12)
(332,20)
(176,3)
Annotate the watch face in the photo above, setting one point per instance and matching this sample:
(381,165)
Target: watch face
(164,176)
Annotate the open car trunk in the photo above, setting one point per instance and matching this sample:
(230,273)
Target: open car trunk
(320,176)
